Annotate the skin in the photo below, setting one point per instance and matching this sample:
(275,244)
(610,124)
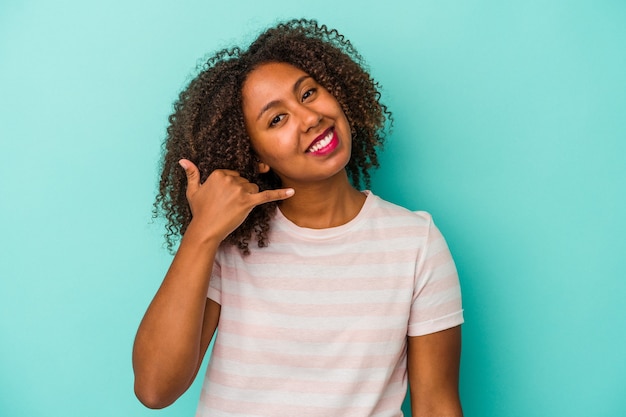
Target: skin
(301,110)
(433,367)
(285,111)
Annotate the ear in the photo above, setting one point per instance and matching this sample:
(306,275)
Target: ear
(263,167)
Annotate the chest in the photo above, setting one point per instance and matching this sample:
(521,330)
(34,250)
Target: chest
(323,298)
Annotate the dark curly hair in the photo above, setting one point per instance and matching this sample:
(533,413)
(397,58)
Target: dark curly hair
(207,126)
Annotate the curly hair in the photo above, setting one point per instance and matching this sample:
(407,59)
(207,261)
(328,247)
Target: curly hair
(207,125)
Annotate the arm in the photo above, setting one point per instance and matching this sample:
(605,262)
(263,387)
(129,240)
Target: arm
(433,367)
(180,321)
(177,327)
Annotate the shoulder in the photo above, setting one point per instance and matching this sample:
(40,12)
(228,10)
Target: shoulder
(386,209)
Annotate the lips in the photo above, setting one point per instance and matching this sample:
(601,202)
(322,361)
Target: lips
(324,143)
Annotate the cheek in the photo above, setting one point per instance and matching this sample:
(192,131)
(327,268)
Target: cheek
(267,146)
(280,139)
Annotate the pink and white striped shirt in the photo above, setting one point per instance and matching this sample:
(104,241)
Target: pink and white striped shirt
(315,324)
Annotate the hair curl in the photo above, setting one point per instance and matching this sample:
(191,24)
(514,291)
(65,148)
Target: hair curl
(207,125)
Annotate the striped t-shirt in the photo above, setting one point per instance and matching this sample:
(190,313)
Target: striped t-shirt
(315,324)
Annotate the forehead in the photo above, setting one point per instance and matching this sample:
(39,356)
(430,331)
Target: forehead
(271,77)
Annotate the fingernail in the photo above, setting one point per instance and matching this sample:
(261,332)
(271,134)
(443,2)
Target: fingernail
(290,192)
(183,163)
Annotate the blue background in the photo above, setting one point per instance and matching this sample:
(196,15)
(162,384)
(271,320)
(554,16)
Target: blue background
(510,129)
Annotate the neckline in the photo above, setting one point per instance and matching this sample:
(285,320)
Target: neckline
(329,232)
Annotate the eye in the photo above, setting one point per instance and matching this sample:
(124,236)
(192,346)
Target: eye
(308,93)
(277,120)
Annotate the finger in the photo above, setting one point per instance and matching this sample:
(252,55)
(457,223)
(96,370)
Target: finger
(239,180)
(193,176)
(272,195)
(250,187)
(230,172)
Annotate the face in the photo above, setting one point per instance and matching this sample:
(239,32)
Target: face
(296,126)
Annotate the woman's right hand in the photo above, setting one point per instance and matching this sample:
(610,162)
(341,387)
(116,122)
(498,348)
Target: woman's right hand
(224,200)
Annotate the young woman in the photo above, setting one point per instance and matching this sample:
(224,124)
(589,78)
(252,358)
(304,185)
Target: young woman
(327,299)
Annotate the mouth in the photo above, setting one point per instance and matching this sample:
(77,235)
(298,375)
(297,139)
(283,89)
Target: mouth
(324,143)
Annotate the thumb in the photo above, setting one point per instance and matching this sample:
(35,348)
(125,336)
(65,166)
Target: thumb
(193,176)
(273,195)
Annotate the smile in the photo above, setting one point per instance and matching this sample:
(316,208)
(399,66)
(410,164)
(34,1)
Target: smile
(325,143)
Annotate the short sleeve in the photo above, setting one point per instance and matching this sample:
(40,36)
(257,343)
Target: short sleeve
(215,283)
(436,303)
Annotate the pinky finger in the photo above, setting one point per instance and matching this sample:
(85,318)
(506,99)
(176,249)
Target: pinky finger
(273,195)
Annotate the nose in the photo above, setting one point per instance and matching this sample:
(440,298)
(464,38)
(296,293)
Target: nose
(309,118)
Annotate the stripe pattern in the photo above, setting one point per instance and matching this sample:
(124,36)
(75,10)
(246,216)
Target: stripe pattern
(316,324)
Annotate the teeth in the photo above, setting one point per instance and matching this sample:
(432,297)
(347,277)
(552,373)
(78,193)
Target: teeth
(322,143)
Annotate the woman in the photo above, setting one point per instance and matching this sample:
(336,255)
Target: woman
(343,292)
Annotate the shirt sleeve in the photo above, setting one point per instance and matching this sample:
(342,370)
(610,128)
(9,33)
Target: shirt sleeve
(436,303)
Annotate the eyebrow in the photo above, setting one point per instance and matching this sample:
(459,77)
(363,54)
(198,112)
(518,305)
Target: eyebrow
(296,87)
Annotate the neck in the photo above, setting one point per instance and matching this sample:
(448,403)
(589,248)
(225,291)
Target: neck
(323,204)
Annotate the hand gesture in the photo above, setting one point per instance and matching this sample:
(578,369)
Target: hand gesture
(224,200)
